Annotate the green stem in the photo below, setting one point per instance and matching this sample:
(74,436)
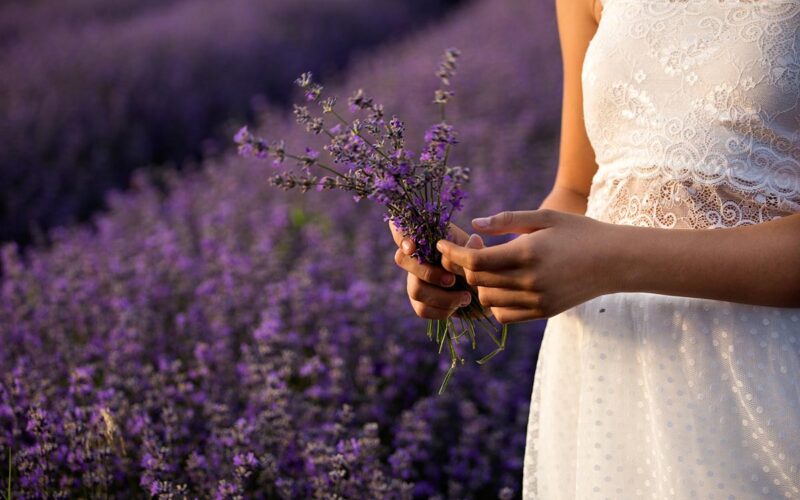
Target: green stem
(444,336)
(320,165)
(447,378)
(501,347)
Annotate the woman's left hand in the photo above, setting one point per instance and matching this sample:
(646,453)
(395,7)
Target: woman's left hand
(559,261)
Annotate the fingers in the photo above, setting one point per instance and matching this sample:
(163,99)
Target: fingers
(407,244)
(434,296)
(507,315)
(500,297)
(494,258)
(497,279)
(431,302)
(458,235)
(515,222)
(430,312)
(426,272)
(473,241)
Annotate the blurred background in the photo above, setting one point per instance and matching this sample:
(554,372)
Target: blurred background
(92,90)
(171,326)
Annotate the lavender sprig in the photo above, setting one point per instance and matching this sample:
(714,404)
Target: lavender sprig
(371,161)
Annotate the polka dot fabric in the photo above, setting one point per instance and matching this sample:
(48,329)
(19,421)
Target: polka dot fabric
(650,396)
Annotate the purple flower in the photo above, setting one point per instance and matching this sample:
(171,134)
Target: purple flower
(242,136)
(245,460)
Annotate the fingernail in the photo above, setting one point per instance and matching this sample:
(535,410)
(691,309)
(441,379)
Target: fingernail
(440,245)
(481,222)
(448,279)
(406,246)
(466,299)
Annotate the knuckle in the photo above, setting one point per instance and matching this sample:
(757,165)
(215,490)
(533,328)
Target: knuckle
(419,309)
(484,299)
(423,311)
(505,217)
(529,251)
(471,278)
(428,274)
(429,312)
(530,282)
(454,303)
(474,261)
(451,267)
(438,299)
(446,264)
(543,307)
(413,287)
(553,216)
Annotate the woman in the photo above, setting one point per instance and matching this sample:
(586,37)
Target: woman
(667,257)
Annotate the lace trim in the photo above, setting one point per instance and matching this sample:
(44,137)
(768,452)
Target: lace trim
(693,110)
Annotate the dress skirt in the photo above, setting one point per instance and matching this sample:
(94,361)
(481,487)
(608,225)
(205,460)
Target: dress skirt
(640,395)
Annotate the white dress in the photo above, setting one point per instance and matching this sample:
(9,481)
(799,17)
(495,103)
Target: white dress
(693,110)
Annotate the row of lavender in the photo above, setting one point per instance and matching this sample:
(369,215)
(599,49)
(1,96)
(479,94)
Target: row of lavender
(92,90)
(232,340)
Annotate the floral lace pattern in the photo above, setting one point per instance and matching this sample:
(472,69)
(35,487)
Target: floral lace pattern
(693,110)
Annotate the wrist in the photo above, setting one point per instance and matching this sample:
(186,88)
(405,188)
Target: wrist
(625,259)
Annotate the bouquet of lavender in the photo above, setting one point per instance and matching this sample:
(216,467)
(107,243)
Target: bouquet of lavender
(370,160)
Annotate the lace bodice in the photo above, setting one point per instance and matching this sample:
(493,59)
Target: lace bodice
(693,110)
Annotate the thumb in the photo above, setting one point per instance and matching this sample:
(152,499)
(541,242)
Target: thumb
(525,221)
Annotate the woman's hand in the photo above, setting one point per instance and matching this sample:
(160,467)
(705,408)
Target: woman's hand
(560,260)
(427,285)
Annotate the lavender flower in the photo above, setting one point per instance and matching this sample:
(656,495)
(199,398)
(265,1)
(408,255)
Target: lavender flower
(420,195)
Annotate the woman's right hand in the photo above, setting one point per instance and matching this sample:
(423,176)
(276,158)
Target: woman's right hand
(427,285)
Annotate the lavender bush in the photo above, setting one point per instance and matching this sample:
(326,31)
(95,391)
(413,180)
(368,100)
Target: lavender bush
(230,340)
(95,89)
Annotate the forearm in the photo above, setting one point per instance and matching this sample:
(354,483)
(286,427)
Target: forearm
(757,264)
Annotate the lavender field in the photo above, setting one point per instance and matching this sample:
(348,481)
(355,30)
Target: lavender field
(211,336)
(93,90)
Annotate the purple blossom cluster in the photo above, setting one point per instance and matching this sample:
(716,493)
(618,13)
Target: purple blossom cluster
(211,336)
(93,90)
(369,159)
